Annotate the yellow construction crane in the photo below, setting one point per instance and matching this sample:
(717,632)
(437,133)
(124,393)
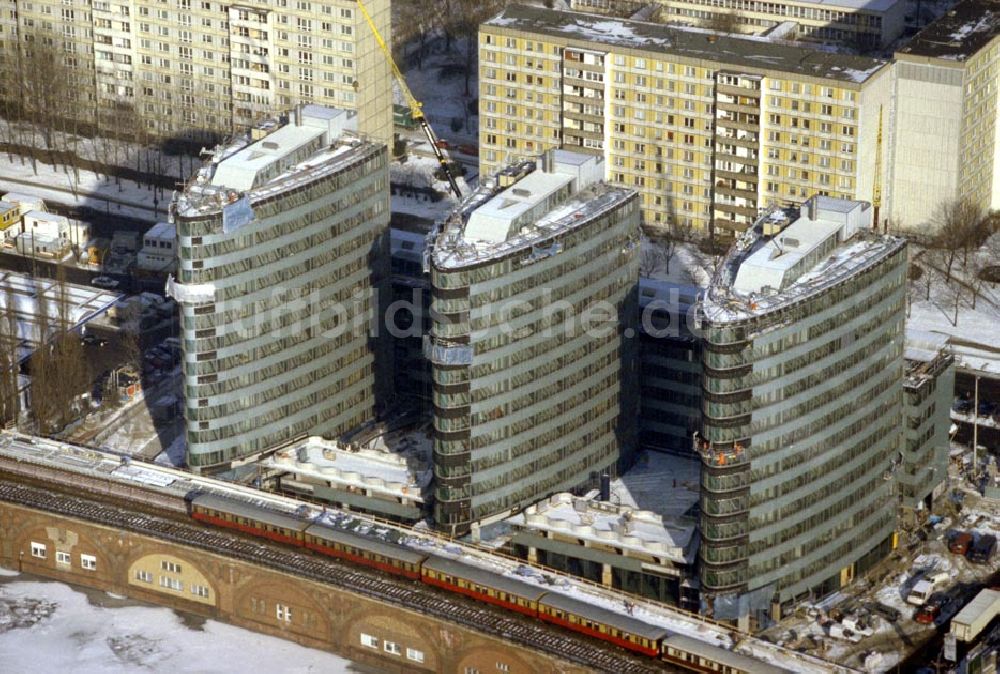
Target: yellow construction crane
(877,185)
(416,107)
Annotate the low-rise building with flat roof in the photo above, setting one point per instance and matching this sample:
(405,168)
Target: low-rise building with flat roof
(641,538)
(393,484)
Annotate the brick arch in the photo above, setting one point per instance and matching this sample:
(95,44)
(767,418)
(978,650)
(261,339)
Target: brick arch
(392,625)
(256,598)
(65,536)
(487,658)
(171,575)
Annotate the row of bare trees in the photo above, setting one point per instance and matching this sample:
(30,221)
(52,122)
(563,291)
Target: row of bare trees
(417,22)
(953,268)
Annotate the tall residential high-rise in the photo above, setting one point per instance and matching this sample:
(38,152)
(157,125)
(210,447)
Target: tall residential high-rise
(712,129)
(945,136)
(708,128)
(803,406)
(283,250)
(200,68)
(533,305)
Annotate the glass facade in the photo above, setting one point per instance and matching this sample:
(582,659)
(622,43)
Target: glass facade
(527,400)
(282,344)
(801,415)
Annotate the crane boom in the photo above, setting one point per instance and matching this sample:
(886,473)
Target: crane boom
(416,107)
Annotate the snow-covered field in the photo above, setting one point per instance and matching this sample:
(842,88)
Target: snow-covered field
(51,627)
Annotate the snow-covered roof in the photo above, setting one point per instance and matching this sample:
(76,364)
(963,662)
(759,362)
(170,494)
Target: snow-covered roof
(379,472)
(525,207)
(962,31)
(649,511)
(773,264)
(162,230)
(756,54)
(240,171)
(25,201)
(44,216)
(315,142)
(826,244)
(83,303)
(498,218)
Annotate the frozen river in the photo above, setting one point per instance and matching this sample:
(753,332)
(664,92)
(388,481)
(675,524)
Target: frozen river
(52,627)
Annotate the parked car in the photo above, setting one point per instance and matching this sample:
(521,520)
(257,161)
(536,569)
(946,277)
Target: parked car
(105,282)
(960,542)
(929,612)
(982,550)
(987,408)
(888,612)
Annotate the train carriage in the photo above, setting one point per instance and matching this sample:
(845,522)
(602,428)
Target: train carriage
(697,656)
(248,518)
(386,557)
(601,623)
(488,587)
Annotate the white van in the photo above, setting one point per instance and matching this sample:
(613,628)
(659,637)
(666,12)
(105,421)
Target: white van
(923,590)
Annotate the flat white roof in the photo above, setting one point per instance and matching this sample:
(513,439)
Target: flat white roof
(23,199)
(239,171)
(45,216)
(162,230)
(380,472)
(770,264)
(85,303)
(495,220)
(650,510)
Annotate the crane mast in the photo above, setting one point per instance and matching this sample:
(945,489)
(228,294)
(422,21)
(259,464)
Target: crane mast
(416,107)
(877,184)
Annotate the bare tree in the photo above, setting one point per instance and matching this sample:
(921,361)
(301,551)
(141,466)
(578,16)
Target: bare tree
(955,224)
(724,22)
(651,258)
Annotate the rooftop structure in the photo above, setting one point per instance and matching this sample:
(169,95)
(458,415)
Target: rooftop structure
(961,32)
(848,23)
(731,50)
(498,220)
(813,252)
(802,407)
(293,226)
(526,405)
(392,484)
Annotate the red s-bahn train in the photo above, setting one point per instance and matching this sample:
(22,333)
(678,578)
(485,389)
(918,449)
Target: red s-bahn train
(454,576)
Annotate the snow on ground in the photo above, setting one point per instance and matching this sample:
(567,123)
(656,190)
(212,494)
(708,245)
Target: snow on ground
(686,266)
(61,631)
(938,313)
(83,188)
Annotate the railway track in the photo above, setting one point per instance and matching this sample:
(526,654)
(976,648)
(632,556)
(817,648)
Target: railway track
(382,588)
